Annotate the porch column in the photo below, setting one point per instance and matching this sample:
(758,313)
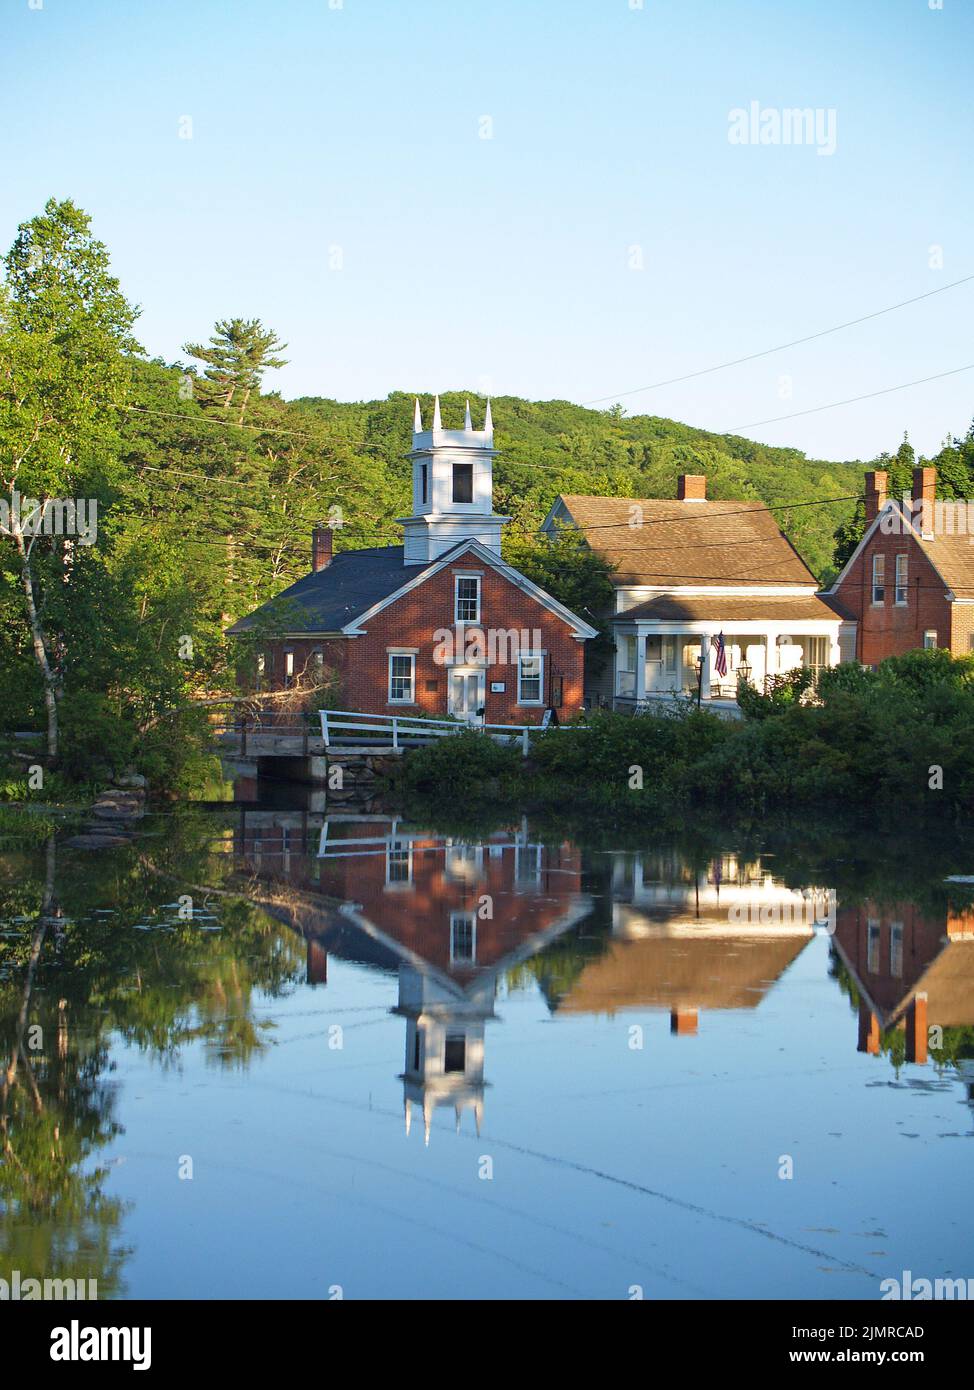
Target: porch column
(770,655)
(640,665)
(706,670)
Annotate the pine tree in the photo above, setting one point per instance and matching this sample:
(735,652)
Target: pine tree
(240,351)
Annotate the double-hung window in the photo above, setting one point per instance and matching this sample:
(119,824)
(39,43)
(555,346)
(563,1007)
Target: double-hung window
(530,678)
(402,678)
(467,598)
(463,938)
(902,580)
(879,579)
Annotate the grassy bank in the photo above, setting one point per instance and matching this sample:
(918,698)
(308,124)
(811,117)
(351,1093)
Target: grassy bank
(894,742)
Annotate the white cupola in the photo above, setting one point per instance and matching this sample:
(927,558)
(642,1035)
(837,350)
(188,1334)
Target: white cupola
(452,488)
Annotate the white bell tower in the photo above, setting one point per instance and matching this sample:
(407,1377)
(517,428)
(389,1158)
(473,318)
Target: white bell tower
(452,489)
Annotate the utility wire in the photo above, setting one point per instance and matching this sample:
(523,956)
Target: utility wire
(767,352)
(887,391)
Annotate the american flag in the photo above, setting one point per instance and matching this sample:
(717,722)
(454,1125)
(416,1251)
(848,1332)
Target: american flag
(721,661)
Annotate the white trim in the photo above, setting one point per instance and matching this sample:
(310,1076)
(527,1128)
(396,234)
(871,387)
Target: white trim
(540,658)
(582,630)
(398,700)
(458,578)
(472,916)
(641,593)
(809,627)
(910,530)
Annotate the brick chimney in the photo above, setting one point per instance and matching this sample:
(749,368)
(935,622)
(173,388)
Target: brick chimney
(321,544)
(684,1022)
(924,492)
(692,487)
(875,494)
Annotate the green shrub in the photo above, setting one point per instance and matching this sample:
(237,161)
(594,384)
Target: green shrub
(95,737)
(470,765)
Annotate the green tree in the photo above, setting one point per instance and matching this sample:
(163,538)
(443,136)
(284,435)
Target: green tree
(568,569)
(239,352)
(65,330)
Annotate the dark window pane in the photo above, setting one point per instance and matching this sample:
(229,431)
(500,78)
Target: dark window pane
(463,482)
(455,1055)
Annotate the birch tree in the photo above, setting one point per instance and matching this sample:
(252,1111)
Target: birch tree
(65,330)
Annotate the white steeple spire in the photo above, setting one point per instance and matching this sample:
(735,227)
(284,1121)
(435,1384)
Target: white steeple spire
(452,488)
(488,422)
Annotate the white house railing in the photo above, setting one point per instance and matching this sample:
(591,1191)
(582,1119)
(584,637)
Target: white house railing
(343,726)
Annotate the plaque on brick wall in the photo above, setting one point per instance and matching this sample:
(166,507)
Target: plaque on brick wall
(497,687)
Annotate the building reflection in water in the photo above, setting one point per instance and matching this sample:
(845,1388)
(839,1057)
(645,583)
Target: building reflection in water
(911,975)
(686,939)
(451,917)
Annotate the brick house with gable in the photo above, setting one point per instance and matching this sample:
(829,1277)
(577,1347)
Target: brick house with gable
(437,626)
(910,581)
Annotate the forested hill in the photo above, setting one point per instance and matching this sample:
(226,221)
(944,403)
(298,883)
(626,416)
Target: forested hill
(549,447)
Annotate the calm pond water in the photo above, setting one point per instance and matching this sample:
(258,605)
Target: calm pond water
(265,1053)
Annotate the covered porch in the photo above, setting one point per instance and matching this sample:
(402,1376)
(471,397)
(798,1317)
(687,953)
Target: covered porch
(661,653)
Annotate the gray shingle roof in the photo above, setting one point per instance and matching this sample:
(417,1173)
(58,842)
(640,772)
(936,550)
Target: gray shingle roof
(326,600)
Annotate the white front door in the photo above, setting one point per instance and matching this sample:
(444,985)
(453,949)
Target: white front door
(467,695)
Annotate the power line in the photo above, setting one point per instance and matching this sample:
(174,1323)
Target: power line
(767,352)
(870,395)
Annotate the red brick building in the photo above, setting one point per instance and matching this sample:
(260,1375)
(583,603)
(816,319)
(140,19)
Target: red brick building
(911,970)
(439,625)
(910,581)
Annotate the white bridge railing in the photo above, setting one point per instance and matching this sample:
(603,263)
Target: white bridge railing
(347,727)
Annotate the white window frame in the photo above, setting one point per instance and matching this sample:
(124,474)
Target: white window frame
(454,500)
(878,579)
(466,578)
(398,699)
(901,586)
(288,667)
(467,918)
(896,950)
(395,849)
(929,646)
(874,941)
(539,657)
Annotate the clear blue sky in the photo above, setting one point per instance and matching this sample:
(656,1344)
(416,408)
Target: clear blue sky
(503,264)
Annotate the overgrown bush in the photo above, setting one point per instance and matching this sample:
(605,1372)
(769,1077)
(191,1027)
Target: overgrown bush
(95,737)
(897,742)
(469,765)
